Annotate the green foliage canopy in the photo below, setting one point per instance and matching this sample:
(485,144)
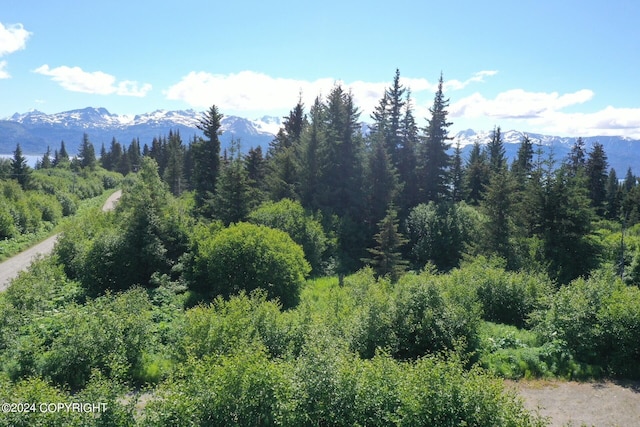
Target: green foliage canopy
(244,257)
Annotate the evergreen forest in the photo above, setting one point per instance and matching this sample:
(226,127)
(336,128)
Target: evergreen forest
(340,278)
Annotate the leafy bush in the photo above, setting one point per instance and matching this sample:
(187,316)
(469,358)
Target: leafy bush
(505,296)
(304,229)
(458,397)
(246,257)
(442,233)
(68,203)
(413,318)
(328,386)
(109,334)
(425,320)
(598,320)
(8,227)
(225,325)
(241,389)
(619,320)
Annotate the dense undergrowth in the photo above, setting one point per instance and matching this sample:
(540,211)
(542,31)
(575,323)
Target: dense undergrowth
(30,214)
(424,351)
(171,318)
(365,353)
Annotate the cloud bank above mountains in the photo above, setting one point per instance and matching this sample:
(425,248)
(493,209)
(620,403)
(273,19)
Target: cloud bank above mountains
(250,92)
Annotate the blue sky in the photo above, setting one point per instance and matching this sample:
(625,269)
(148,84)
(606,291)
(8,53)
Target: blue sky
(566,67)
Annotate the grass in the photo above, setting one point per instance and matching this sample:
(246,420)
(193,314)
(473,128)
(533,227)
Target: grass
(514,354)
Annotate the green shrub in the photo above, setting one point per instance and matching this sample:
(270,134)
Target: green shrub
(8,227)
(242,321)
(443,393)
(243,389)
(109,334)
(246,257)
(598,322)
(425,320)
(326,385)
(619,321)
(506,297)
(68,203)
(441,233)
(304,229)
(572,317)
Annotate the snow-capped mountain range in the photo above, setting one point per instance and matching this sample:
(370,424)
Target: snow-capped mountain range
(36,130)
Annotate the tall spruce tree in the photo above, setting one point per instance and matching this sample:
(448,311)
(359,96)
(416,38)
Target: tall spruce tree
(457,175)
(613,196)
(497,204)
(283,164)
(564,225)
(629,180)
(523,164)
(496,151)
(393,131)
(596,168)
(20,170)
(63,155)
(45,163)
(134,154)
(340,175)
(207,156)
(340,184)
(232,201)
(576,158)
(87,153)
(173,173)
(477,174)
(256,168)
(386,257)
(380,117)
(407,159)
(312,142)
(381,182)
(110,159)
(434,161)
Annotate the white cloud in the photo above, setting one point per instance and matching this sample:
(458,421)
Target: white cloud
(253,91)
(606,122)
(245,91)
(12,38)
(477,78)
(517,104)
(4,74)
(543,113)
(77,80)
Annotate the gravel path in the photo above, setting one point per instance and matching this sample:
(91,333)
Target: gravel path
(10,268)
(569,403)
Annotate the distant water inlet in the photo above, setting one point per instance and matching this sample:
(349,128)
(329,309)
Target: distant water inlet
(31,158)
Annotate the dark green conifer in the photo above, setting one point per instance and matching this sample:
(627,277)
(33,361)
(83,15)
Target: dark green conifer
(434,161)
(20,171)
(87,153)
(596,168)
(386,257)
(207,156)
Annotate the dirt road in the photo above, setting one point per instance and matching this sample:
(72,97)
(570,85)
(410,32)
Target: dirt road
(10,268)
(569,403)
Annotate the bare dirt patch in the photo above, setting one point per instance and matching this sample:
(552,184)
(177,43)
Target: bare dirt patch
(568,403)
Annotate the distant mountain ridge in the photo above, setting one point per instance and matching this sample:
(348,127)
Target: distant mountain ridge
(36,130)
(622,153)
